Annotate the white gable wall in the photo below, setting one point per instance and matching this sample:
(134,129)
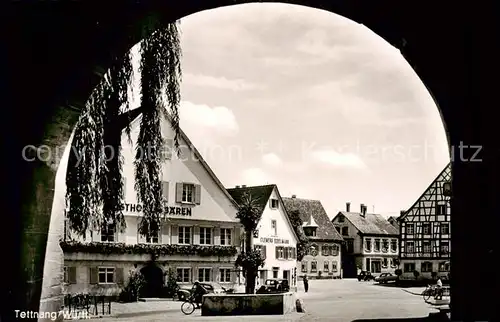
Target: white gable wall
(267,237)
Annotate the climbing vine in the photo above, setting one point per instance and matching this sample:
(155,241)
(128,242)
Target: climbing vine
(94,178)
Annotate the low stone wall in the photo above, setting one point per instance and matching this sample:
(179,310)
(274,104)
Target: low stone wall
(248,304)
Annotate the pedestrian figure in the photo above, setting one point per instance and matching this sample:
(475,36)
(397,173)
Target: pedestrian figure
(306,283)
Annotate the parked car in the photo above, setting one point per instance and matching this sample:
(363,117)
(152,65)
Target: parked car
(386,278)
(365,276)
(184,293)
(274,285)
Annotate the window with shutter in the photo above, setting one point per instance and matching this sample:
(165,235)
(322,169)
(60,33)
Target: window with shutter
(197,194)
(93,275)
(294,253)
(164,190)
(72,275)
(285,252)
(276,249)
(178,192)
(119,275)
(263,251)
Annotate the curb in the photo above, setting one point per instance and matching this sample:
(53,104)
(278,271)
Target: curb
(143,313)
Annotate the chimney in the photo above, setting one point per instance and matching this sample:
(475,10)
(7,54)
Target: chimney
(363,209)
(402,212)
(294,196)
(237,186)
(244,186)
(348,206)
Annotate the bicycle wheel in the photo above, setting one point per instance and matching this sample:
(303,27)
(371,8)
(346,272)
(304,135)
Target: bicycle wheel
(426,294)
(188,307)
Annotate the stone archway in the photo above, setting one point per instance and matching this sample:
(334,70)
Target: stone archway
(57,57)
(154,277)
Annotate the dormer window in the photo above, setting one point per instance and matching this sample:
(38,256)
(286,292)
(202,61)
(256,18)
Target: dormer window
(274,203)
(310,231)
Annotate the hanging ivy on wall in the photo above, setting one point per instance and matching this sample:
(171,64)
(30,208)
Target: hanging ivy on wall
(147,249)
(303,242)
(94,178)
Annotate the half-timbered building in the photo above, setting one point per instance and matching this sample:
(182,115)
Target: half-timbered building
(425,238)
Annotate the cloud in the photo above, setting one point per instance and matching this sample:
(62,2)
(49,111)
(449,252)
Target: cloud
(255,177)
(272,159)
(337,160)
(219,119)
(219,82)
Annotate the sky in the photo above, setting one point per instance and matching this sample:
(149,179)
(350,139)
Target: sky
(310,101)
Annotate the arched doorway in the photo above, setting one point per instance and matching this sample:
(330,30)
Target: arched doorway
(154,281)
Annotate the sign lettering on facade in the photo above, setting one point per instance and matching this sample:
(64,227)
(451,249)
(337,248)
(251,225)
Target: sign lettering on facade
(169,210)
(274,240)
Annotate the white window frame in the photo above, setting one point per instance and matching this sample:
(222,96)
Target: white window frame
(408,225)
(211,232)
(274,226)
(441,244)
(184,233)
(106,272)
(185,195)
(314,263)
(407,247)
(326,266)
(115,233)
(303,267)
(426,245)
(222,274)
(444,224)
(189,274)
(334,266)
(281,252)
(226,241)
(210,274)
(272,205)
(429,228)
(151,240)
(368,245)
(375,242)
(394,242)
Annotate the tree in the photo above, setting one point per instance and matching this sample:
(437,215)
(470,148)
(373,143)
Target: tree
(249,213)
(303,242)
(94,179)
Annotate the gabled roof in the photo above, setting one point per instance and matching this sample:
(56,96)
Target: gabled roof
(313,211)
(443,176)
(262,193)
(137,114)
(374,224)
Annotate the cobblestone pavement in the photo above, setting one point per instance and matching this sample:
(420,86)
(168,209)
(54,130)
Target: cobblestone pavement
(327,300)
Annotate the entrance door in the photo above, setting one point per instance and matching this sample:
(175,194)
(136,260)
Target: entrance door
(262,277)
(286,276)
(376,266)
(276,272)
(154,281)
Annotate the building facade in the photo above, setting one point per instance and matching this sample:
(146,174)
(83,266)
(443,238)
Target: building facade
(199,237)
(275,236)
(372,243)
(425,232)
(323,258)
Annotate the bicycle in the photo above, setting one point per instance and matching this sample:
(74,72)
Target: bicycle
(428,292)
(189,306)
